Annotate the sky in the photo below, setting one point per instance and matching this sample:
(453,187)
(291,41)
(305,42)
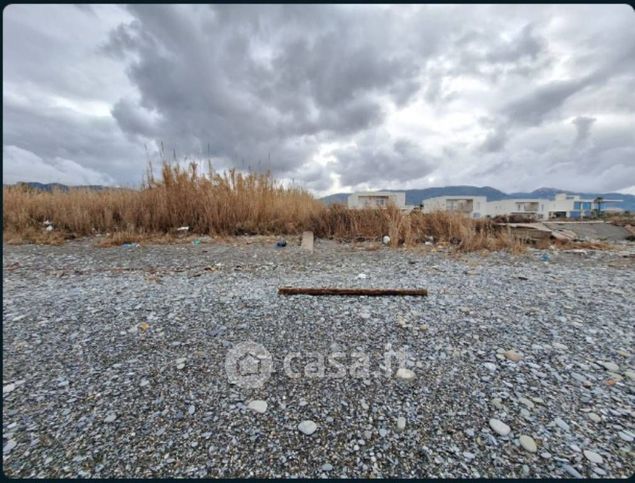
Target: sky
(329,97)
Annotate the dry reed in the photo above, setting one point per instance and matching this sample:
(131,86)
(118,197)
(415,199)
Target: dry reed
(226,204)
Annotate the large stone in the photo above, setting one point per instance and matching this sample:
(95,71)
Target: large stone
(528,443)
(593,457)
(609,366)
(526,402)
(258,406)
(499,427)
(512,355)
(307,241)
(401,423)
(405,374)
(307,427)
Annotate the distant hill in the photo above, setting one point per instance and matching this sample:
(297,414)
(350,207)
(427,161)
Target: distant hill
(60,187)
(415,196)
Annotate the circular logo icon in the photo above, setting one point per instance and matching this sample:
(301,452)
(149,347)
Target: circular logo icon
(248,365)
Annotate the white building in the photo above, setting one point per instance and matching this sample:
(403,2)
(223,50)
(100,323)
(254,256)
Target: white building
(377,199)
(562,206)
(532,208)
(472,206)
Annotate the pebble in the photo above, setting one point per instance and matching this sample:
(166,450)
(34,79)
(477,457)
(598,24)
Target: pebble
(497,403)
(8,447)
(8,388)
(383,432)
(594,417)
(327,467)
(572,471)
(110,418)
(144,382)
(528,443)
(512,355)
(561,424)
(258,406)
(609,366)
(499,427)
(468,456)
(401,423)
(526,402)
(626,436)
(307,427)
(559,346)
(490,365)
(593,457)
(405,374)
(180,363)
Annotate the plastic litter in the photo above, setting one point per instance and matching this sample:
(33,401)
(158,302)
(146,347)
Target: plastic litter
(196,242)
(183,228)
(49,228)
(545,257)
(281,243)
(386,240)
(130,245)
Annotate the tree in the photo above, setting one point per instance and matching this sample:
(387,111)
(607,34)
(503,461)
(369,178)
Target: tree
(598,202)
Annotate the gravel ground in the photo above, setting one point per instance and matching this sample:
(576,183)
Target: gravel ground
(114,363)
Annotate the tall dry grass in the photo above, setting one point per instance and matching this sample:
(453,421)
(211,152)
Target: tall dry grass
(410,229)
(226,204)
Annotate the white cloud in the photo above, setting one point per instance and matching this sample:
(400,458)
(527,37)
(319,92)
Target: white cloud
(22,165)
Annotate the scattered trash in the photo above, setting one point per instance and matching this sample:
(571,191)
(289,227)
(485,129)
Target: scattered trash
(143,326)
(281,243)
(183,228)
(545,257)
(386,240)
(307,241)
(47,222)
(353,291)
(362,276)
(196,242)
(49,228)
(130,245)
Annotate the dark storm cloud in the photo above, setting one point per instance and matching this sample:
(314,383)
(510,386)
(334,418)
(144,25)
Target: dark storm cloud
(330,96)
(532,108)
(583,127)
(495,140)
(254,83)
(372,162)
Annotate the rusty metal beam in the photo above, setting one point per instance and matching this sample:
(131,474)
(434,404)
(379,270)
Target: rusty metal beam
(372,292)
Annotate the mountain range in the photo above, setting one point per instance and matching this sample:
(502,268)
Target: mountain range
(60,187)
(415,196)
